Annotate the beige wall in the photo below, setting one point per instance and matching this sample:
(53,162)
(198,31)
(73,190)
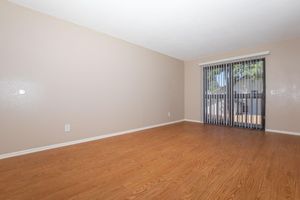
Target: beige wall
(282,75)
(101,85)
(74,75)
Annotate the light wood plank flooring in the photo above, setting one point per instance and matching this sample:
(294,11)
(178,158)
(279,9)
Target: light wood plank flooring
(180,161)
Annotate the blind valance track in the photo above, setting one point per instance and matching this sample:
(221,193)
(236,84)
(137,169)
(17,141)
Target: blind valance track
(236,59)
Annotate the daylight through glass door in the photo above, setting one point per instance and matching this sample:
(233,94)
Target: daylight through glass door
(234,94)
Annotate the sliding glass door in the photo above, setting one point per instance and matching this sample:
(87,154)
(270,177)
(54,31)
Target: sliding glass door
(234,94)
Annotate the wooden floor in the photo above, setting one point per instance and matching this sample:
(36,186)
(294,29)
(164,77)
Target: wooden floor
(180,161)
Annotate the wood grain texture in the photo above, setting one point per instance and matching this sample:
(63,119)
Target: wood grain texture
(180,161)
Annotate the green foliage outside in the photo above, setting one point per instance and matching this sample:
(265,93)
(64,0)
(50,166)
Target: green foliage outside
(245,70)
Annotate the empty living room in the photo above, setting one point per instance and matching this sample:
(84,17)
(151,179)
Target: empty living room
(149,99)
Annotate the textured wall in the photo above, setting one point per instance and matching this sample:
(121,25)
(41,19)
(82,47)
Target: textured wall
(282,84)
(71,74)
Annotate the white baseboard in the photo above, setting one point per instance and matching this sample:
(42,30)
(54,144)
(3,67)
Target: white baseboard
(191,120)
(282,132)
(53,146)
(267,130)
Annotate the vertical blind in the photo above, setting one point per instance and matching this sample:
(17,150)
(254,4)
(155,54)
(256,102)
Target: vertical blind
(234,93)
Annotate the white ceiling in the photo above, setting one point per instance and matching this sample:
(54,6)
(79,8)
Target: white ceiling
(184,29)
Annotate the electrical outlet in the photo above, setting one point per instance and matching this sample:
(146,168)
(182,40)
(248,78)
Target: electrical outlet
(169,114)
(67,128)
